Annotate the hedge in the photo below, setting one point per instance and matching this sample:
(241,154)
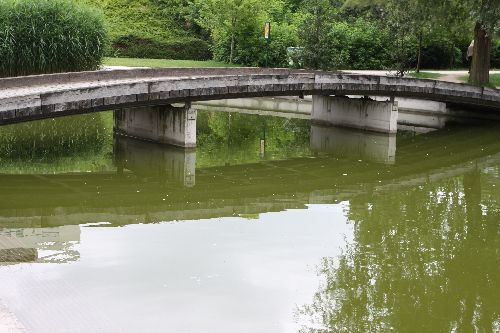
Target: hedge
(183,48)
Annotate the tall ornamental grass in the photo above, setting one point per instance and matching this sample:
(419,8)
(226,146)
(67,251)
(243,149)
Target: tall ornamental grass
(49,36)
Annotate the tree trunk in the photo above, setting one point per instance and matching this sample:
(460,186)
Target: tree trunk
(232,49)
(233,32)
(480,69)
(419,58)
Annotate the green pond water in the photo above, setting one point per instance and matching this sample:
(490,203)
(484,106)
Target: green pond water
(270,225)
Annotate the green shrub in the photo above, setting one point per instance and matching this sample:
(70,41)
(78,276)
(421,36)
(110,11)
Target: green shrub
(283,36)
(368,45)
(251,47)
(49,36)
(495,54)
(356,45)
(138,47)
(439,55)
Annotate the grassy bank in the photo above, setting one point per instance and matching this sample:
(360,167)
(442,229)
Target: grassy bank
(136,62)
(494,80)
(425,75)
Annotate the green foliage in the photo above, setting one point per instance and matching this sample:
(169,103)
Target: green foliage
(234,138)
(442,54)
(144,18)
(250,48)
(77,143)
(362,3)
(364,44)
(495,80)
(139,62)
(495,54)
(314,33)
(153,29)
(420,261)
(283,35)
(336,44)
(49,36)
(232,24)
(485,12)
(236,28)
(184,48)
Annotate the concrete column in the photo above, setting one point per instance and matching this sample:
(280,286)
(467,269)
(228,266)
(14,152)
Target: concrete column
(354,144)
(152,160)
(357,113)
(162,124)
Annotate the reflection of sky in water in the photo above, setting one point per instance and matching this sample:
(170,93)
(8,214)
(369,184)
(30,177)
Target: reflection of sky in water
(220,275)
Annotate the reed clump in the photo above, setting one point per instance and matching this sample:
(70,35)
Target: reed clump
(49,36)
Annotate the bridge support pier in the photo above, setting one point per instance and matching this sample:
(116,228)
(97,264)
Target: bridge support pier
(354,144)
(360,113)
(164,124)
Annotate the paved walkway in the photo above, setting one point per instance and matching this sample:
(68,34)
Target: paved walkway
(448,75)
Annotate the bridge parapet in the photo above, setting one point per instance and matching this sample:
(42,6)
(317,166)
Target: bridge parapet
(37,97)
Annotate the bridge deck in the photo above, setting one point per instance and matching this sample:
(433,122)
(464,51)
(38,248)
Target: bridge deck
(47,96)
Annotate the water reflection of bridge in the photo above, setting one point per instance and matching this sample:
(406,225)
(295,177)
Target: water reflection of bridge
(148,185)
(24,244)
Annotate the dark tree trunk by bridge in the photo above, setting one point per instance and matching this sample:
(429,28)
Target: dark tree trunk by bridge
(419,58)
(233,37)
(232,49)
(480,69)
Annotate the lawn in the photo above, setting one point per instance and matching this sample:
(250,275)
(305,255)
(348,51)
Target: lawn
(494,79)
(425,75)
(136,62)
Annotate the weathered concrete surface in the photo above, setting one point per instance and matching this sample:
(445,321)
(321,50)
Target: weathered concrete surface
(271,104)
(357,113)
(47,96)
(163,124)
(413,114)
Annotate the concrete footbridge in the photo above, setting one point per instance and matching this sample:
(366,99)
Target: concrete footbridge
(135,91)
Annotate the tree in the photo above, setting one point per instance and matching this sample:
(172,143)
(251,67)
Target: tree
(401,24)
(417,264)
(314,32)
(486,14)
(229,18)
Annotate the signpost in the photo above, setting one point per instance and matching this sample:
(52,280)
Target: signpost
(267,36)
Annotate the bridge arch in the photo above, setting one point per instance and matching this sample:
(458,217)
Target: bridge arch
(47,96)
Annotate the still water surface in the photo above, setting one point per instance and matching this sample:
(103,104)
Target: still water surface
(269,226)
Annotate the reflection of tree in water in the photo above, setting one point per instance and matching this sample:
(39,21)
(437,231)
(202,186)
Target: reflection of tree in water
(75,142)
(52,138)
(424,259)
(236,137)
